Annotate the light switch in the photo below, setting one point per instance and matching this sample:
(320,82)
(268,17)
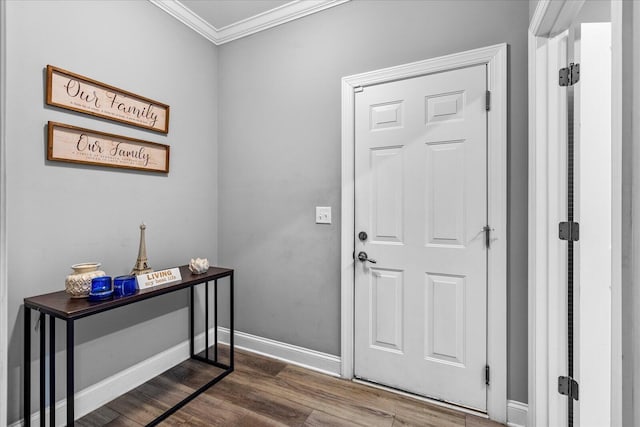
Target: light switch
(323,214)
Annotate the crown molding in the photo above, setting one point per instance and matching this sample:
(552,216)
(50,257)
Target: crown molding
(260,22)
(274,17)
(188,18)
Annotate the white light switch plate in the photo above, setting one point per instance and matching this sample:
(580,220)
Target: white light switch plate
(323,214)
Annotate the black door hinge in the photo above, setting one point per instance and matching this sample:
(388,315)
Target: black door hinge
(569,231)
(570,75)
(487,236)
(567,386)
(487,375)
(487,105)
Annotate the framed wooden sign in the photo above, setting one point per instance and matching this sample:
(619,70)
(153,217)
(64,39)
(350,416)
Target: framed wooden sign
(77,145)
(78,93)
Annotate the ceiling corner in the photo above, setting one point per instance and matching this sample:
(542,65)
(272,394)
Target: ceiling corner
(251,25)
(274,17)
(188,18)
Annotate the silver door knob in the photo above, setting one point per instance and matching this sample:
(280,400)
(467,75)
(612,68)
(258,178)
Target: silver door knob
(362,256)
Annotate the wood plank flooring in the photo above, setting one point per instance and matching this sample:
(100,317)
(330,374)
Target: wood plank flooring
(267,392)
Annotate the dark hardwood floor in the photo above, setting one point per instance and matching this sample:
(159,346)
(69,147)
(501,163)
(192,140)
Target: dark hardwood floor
(266,392)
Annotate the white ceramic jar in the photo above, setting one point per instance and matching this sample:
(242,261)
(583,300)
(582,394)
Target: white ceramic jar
(78,284)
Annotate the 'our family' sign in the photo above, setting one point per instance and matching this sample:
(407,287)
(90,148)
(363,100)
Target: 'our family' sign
(75,92)
(78,145)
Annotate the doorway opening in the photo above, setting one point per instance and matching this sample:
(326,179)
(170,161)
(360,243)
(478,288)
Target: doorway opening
(584,34)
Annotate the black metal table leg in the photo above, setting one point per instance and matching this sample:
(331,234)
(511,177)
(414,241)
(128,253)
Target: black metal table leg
(228,369)
(43,403)
(206,320)
(215,320)
(191,331)
(26,367)
(52,371)
(231,345)
(70,372)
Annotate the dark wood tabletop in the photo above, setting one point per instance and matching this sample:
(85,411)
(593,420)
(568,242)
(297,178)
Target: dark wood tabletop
(61,305)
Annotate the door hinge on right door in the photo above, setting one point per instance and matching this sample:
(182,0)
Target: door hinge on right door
(569,230)
(567,386)
(570,75)
(487,105)
(487,236)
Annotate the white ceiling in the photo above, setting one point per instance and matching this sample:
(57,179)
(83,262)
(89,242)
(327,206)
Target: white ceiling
(222,21)
(222,13)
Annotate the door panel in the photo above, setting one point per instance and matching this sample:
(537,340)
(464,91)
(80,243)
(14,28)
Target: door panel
(444,322)
(386,310)
(445,193)
(387,195)
(421,196)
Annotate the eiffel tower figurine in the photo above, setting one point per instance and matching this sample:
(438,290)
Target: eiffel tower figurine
(142,265)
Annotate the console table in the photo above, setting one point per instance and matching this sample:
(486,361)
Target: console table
(59,305)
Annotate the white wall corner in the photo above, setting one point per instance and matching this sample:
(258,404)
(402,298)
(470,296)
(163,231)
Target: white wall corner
(188,18)
(516,414)
(260,22)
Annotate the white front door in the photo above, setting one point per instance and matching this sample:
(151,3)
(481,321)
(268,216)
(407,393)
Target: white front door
(421,199)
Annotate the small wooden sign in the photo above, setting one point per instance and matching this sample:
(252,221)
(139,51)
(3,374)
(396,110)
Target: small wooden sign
(156,278)
(78,93)
(78,145)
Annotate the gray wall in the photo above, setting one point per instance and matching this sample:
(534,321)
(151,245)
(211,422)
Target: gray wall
(60,214)
(280,155)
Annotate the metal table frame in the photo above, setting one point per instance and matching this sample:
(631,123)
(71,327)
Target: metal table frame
(53,305)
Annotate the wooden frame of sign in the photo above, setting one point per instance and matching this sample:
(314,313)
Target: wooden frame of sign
(84,95)
(78,145)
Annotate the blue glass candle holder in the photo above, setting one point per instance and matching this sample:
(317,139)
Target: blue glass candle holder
(101,288)
(125,285)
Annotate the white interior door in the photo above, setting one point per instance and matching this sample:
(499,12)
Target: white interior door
(421,198)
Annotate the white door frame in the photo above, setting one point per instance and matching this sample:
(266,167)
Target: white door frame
(552,18)
(495,57)
(4,326)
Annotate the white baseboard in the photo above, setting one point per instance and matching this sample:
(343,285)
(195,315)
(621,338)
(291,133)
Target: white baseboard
(304,357)
(516,413)
(96,395)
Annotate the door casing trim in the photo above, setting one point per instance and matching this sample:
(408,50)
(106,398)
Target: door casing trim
(550,19)
(495,57)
